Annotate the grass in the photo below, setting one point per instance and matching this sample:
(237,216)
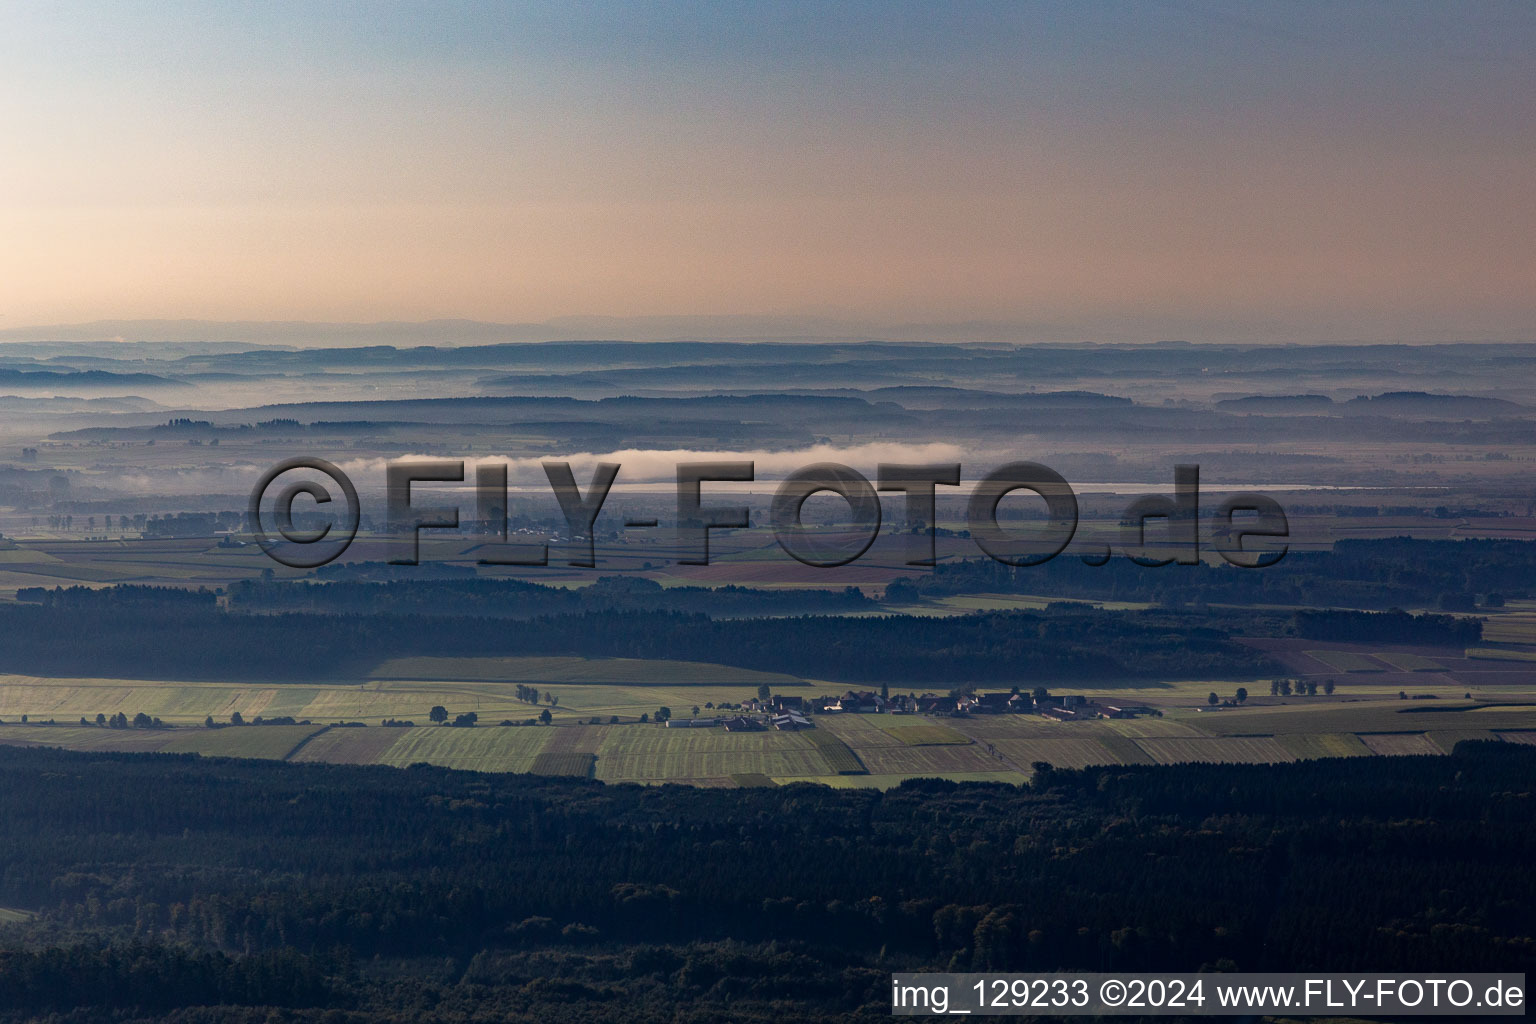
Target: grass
(1446,739)
(752,780)
(1500,654)
(925,735)
(482,749)
(351,746)
(646,753)
(1244,749)
(268,742)
(1511,628)
(892,781)
(572,670)
(577,765)
(1347,661)
(1359,717)
(1124,749)
(1061,752)
(1308,746)
(1399,744)
(839,756)
(937,759)
(1410,662)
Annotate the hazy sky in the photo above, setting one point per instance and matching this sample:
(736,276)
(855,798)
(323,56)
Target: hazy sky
(1176,169)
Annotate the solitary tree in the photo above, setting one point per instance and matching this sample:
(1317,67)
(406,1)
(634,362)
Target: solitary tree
(1328,686)
(438,714)
(764,692)
(1213,700)
(102,719)
(1242,694)
(545,716)
(1311,688)
(662,714)
(1274,687)
(695,711)
(237,719)
(207,722)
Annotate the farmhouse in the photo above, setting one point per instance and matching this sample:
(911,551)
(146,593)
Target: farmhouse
(1001,703)
(1081,713)
(862,702)
(741,723)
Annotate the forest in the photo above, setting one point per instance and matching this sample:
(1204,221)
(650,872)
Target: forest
(194,639)
(197,890)
(1453,575)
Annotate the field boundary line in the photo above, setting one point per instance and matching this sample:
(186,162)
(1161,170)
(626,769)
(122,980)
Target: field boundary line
(305,742)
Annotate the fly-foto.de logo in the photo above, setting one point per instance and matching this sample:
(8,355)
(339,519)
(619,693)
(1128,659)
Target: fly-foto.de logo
(1247,529)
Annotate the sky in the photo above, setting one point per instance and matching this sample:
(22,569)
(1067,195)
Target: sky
(1038,171)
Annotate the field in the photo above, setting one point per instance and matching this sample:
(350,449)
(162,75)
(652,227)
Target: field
(1242,749)
(1347,661)
(570,763)
(1323,744)
(652,754)
(596,731)
(924,735)
(1501,654)
(1399,743)
(622,671)
(188,703)
(1410,662)
(271,742)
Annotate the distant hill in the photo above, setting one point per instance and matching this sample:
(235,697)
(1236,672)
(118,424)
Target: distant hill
(11,378)
(1278,404)
(1422,403)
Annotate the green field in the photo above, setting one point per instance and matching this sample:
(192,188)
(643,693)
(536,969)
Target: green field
(1500,654)
(1076,752)
(620,671)
(1410,662)
(486,749)
(1348,661)
(654,754)
(189,703)
(1324,744)
(1511,628)
(1242,749)
(571,763)
(925,735)
(1399,744)
(273,742)
(752,780)
(839,756)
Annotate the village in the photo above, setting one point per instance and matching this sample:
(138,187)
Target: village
(788,713)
